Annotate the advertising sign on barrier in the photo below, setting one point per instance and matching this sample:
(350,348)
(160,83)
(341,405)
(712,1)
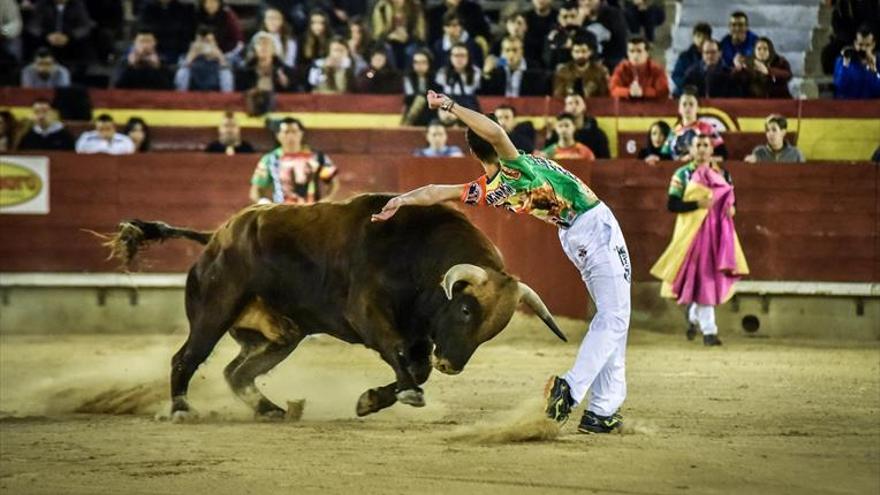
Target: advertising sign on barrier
(24,185)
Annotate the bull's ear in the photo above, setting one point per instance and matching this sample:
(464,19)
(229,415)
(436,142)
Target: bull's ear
(471,274)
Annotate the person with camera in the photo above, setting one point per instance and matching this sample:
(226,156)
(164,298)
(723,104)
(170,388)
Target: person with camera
(142,68)
(855,72)
(204,68)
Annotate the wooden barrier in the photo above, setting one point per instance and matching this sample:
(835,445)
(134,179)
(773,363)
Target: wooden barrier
(817,222)
(739,144)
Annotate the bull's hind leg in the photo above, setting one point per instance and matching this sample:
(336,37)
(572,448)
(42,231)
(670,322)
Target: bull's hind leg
(258,356)
(208,323)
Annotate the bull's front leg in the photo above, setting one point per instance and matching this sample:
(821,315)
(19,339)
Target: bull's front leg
(419,367)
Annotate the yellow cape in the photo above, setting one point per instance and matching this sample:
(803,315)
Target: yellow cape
(686,227)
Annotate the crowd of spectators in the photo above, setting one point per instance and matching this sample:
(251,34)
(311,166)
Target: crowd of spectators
(568,49)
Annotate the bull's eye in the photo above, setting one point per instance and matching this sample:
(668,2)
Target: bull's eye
(465,311)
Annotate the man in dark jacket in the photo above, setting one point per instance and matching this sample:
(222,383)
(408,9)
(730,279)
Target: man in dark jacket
(540,20)
(691,56)
(608,24)
(511,75)
(173,23)
(46,133)
(142,68)
(710,77)
(380,77)
(471,14)
(587,130)
(65,27)
(557,46)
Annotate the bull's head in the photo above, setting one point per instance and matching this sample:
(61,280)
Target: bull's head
(480,303)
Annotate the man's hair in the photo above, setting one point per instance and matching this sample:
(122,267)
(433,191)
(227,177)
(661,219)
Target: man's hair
(704,28)
(104,117)
(451,17)
(710,40)
(505,106)
(777,119)
(482,149)
(291,120)
(511,39)
(569,5)
(42,52)
(584,37)
(565,116)
(690,90)
(865,30)
(740,13)
(513,15)
(639,40)
(144,29)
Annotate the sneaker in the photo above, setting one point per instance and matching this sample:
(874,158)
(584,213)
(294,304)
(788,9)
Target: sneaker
(691,332)
(559,401)
(593,423)
(711,340)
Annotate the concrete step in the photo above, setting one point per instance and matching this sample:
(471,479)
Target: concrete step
(765,16)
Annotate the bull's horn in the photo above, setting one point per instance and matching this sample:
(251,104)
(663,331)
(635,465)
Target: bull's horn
(471,274)
(530,297)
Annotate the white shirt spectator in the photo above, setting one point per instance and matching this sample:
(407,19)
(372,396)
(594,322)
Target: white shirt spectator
(91,142)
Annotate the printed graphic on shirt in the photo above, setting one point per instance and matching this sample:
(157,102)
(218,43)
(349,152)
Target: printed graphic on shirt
(535,186)
(297,174)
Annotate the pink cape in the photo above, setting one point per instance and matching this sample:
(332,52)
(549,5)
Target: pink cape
(709,269)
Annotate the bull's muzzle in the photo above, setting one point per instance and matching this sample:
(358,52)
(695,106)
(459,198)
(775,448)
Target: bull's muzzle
(443,365)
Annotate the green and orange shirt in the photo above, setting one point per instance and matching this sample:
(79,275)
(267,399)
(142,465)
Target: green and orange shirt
(535,186)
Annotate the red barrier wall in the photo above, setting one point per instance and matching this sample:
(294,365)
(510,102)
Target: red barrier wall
(797,222)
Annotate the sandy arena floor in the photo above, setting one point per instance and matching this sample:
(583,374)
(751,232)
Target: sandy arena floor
(756,416)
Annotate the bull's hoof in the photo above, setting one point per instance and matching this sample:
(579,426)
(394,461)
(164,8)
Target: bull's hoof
(270,415)
(368,403)
(411,397)
(183,416)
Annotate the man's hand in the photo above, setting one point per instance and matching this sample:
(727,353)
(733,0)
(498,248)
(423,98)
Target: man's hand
(435,100)
(388,210)
(652,160)
(635,89)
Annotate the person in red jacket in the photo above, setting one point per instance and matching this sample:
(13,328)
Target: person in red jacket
(639,77)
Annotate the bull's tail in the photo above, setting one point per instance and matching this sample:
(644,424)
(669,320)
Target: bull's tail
(134,235)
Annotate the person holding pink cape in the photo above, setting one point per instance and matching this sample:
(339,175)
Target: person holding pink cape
(704,258)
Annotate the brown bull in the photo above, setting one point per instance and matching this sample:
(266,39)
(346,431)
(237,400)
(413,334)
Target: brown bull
(427,280)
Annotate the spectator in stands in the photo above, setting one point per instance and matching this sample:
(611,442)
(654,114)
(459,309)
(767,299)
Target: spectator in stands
(566,146)
(639,77)
(416,82)
(777,148)
(540,19)
(8,129)
(139,132)
(740,40)
(692,56)
(855,73)
(333,74)
(380,77)
(472,17)
(109,17)
(229,138)
(47,132)
(678,144)
(173,24)
(766,74)
(608,25)
(587,130)
(557,46)
(45,72)
(710,77)
(653,151)
(359,40)
(460,79)
(204,68)
(263,70)
(142,68)
(401,24)
(285,42)
(11,46)
(643,16)
(437,143)
(65,27)
(846,19)
(521,134)
(224,24)
(292,173)
(510,74)
(453,34)
(104,139)
(316,41)
(582,76)
(514,27)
